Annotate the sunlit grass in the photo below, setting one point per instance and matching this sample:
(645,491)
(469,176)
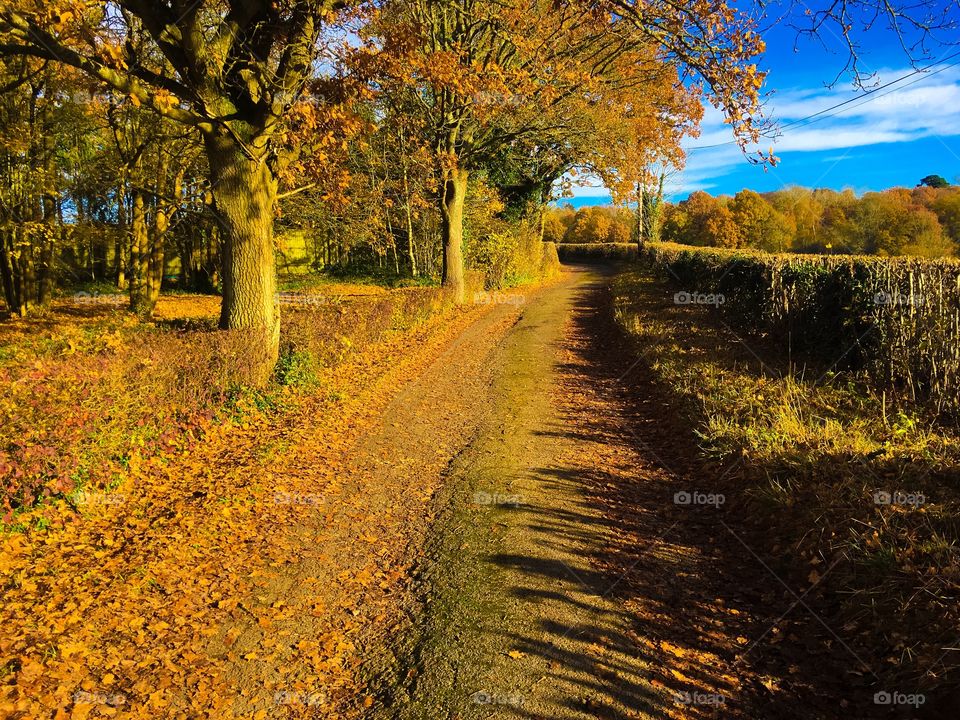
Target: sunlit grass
(809,450)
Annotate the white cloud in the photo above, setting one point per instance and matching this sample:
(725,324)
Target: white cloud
(920,107)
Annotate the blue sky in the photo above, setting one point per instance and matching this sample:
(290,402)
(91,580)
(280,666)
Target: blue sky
(893,137)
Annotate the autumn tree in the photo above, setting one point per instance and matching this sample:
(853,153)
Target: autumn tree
(31,177)
(410,179)
(556,221)
(521,72)
(687,222)
(590,225)
(837,223)
(675,224)
(761,225)
(802,214)
(618,232)
(155,166)
(884,224)
(230,70)
(947,207)
(722,229)
(898,221)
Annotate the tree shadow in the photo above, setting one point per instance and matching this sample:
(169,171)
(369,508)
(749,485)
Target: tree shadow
(705,625)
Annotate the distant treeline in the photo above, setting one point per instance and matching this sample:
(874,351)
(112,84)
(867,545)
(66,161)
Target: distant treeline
(922,221)
(588,225)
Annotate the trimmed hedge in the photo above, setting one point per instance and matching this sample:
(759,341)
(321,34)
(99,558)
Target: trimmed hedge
(592,252)
(897,319)
(549,260)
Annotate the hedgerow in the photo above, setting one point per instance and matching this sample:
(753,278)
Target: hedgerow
(896,320)
(573,252)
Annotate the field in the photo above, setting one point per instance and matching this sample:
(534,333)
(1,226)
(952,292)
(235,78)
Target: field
(155,505)
(89,387)
(140,470)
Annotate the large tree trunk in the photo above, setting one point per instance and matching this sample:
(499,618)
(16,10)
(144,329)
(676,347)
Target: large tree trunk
(244,192)
(454,193)
(157,260)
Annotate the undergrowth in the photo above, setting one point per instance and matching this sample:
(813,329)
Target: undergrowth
(87,386)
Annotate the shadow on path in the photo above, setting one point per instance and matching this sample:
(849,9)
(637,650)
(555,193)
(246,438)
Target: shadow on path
(669,613)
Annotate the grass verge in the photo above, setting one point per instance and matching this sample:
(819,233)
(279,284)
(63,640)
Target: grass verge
(856,504)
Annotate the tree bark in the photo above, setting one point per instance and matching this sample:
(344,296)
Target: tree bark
(656,214)
(406,206)
(6,269)
(639,229)
(157,260)
(452,202)
(244,192)
(139,258)
(121,245)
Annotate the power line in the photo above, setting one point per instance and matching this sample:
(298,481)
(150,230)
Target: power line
(890,92)
(865,98)
(882,87)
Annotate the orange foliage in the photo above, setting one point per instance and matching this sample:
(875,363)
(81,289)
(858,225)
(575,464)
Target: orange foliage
(126,597)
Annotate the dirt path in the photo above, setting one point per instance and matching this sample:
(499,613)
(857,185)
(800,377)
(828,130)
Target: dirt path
(474,518)
(347,551)
(524,621)
(524,624)
(561,579)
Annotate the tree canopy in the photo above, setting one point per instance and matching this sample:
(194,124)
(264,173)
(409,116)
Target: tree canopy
(375,129)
